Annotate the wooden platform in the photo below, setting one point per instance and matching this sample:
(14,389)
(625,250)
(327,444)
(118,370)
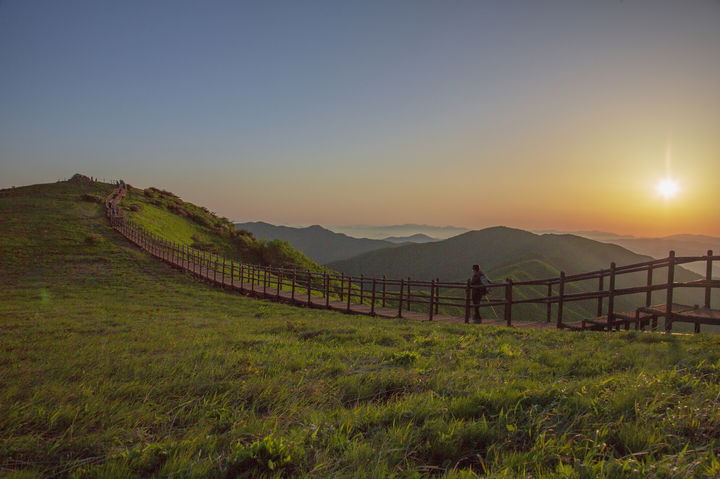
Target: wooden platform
(622,320)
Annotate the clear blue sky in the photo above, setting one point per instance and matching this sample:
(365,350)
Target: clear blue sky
(339,112)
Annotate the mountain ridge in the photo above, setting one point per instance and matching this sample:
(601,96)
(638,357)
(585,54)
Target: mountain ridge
(316,242)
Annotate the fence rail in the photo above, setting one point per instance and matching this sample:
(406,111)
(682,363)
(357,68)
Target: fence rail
(436,300)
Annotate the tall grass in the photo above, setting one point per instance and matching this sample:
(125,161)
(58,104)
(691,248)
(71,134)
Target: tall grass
(114,365)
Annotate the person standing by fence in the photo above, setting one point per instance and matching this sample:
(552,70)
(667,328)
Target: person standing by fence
(479,284)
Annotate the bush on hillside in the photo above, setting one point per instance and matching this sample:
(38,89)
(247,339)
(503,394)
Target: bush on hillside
(279,253)
(93,239)
(242,232)
(201,245)
(167,193)
(177,209)
(199,219)
(135,208)
(91,198)
(270,455)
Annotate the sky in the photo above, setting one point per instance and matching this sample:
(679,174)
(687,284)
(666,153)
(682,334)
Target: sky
(559,115)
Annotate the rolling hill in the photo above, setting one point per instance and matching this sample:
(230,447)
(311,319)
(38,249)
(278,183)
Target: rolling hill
(682,244)
(318,243)
(511,253)
(492,248)
(116,365)
(164,213)
(383,231)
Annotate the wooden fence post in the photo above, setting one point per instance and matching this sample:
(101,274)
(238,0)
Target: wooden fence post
(292,286)
(467,301)
(400,297)
(372,297)
(611,299)
(309,290)
(561,300)
(279,282)
(264,280)
(708,278)
(409,295)
(327,291)
(431,308)
(601,286)
(349,292)
(708,289)
(384,284)
(669,297)
(342,285)
(362,288)
(437,296)
(548,310)
(508,301)
(232,274)
(648,283)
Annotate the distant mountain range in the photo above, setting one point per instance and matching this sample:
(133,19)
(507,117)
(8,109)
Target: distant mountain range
(406,230)
(416,238)
(682,244)
(493,248)
(318,243)
(506,252)
(502,252)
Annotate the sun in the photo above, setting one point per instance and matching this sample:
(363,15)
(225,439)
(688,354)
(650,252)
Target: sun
(667,188)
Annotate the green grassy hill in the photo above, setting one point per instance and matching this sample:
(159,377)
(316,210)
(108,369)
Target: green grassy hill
(115,365)
(164,213)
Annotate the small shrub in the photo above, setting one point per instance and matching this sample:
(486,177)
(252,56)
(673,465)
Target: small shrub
(167,194)
(177,209)
(268,455)
(91,198)
(135,208)
(146,459)
(201,220)
(93,239)
(404,358)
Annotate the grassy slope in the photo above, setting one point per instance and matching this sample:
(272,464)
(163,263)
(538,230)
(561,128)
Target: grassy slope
(114,365)
(165,214)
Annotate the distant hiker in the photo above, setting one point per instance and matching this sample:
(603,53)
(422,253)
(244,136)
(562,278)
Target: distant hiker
(479,284)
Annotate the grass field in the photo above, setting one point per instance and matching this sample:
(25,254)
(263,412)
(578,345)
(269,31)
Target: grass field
(114,365)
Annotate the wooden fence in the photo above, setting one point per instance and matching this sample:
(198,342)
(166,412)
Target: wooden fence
(450,301)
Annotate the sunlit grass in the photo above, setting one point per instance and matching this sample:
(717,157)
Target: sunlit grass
(115,365)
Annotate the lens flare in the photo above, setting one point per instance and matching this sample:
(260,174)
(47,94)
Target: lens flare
(667,188)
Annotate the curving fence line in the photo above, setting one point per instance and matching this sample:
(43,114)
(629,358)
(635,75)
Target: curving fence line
(437,300)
